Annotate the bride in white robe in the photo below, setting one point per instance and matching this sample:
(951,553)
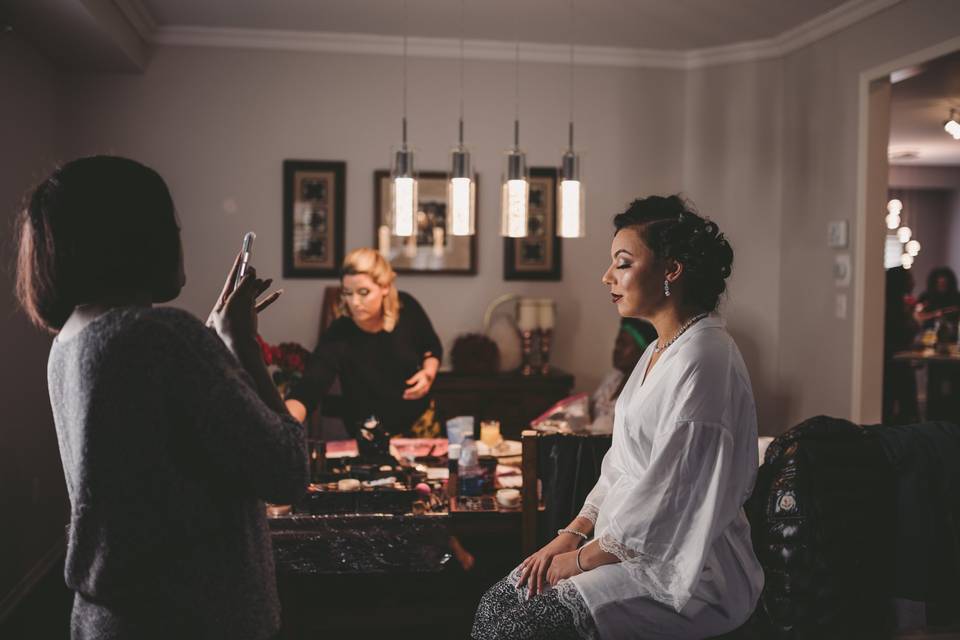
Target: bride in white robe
(671,555)
(668,503)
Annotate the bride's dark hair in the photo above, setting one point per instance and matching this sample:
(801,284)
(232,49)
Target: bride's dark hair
(672,229)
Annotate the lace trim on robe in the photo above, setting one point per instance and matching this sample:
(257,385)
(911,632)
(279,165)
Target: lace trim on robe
(658,577)
(589,512)
(569,596)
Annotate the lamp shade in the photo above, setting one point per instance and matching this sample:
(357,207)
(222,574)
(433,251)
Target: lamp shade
(515,195)
(570,198)
(461,195)
(403,192)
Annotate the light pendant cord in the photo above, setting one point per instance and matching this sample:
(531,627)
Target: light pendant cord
(516,93)
(405,27)
(462,2)
(572,23)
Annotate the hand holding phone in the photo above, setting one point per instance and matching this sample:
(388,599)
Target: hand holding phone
(240,269)
(246,251)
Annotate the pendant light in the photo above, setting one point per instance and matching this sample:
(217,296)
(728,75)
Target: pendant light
(403,188)
(571,221)
(952,125)
(461,190)
(516,186)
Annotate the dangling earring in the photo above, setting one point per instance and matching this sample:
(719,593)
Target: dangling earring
(666,288)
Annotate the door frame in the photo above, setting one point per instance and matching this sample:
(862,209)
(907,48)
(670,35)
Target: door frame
(872,182)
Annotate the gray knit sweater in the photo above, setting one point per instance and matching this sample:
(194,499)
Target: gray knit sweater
(167,452)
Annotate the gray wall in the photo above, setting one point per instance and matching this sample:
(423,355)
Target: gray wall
(732,171)
(32,490)
(218,123)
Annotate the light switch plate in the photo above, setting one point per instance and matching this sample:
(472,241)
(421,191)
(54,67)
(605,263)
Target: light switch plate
(837,234)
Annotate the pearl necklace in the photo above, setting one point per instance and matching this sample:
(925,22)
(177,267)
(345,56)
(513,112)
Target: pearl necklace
(686,325)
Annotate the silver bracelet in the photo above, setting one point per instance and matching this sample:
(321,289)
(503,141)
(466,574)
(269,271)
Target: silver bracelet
(580,534)
(580,566)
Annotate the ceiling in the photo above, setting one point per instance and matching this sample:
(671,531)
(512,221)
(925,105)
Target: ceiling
(668,25)
(919,106)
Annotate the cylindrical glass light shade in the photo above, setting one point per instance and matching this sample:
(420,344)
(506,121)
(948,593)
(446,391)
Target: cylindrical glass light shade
(571,222)
(893,221)
(403,193)
(461,195)
(515,196)
(953,128)
(904,234)
(913,248)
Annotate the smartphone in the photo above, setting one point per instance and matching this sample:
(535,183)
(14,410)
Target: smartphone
(246,250)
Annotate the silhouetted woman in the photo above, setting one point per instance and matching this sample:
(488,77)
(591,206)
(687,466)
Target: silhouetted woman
(171,433)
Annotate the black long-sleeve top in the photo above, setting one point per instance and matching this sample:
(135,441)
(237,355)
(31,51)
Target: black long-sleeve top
(373,368)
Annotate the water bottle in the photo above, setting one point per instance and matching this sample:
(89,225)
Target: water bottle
(468,469)
(453,466)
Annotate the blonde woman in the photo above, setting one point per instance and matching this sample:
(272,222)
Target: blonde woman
(382,347)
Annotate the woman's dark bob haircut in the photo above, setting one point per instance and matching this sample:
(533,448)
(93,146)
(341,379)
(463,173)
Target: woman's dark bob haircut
(671,228)
(98,229)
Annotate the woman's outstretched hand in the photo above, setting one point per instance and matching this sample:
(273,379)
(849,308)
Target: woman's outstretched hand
(418,385)
(533,570)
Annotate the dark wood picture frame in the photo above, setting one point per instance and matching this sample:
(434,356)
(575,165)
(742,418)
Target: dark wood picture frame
(314,218)
(539,256)
(432,192)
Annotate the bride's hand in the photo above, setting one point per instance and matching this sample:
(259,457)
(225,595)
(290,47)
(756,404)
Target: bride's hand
(564,565)
(533,570)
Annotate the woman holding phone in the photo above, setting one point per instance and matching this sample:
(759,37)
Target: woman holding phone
(382,347)
(171,433)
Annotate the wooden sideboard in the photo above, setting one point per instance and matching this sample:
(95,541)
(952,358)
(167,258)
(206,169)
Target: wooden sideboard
(511,398)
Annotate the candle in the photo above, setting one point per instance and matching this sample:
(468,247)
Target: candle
(410,247)
(438,241)
(490,432)
(547,314)
(383,240)
(527,315)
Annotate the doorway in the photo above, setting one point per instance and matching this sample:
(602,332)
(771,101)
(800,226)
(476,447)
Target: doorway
(886,161)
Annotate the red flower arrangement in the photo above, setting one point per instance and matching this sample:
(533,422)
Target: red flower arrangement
(287,360)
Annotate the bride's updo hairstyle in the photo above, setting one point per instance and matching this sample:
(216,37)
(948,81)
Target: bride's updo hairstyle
(671,228)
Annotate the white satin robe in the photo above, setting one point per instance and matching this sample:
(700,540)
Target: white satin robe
(669,501)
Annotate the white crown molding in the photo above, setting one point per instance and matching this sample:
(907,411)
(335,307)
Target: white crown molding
(841,17)
(364,43)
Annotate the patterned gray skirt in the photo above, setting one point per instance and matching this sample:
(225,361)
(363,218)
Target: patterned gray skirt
(559,613)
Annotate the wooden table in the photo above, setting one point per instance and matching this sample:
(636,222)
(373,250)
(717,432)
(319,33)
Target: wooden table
(928,355)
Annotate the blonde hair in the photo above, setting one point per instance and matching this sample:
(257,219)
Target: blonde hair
(372,263)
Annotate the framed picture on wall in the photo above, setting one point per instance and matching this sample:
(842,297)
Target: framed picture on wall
(430,250)
(314,202)
(539,255)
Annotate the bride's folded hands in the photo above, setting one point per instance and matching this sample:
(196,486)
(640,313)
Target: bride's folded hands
(533,570)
